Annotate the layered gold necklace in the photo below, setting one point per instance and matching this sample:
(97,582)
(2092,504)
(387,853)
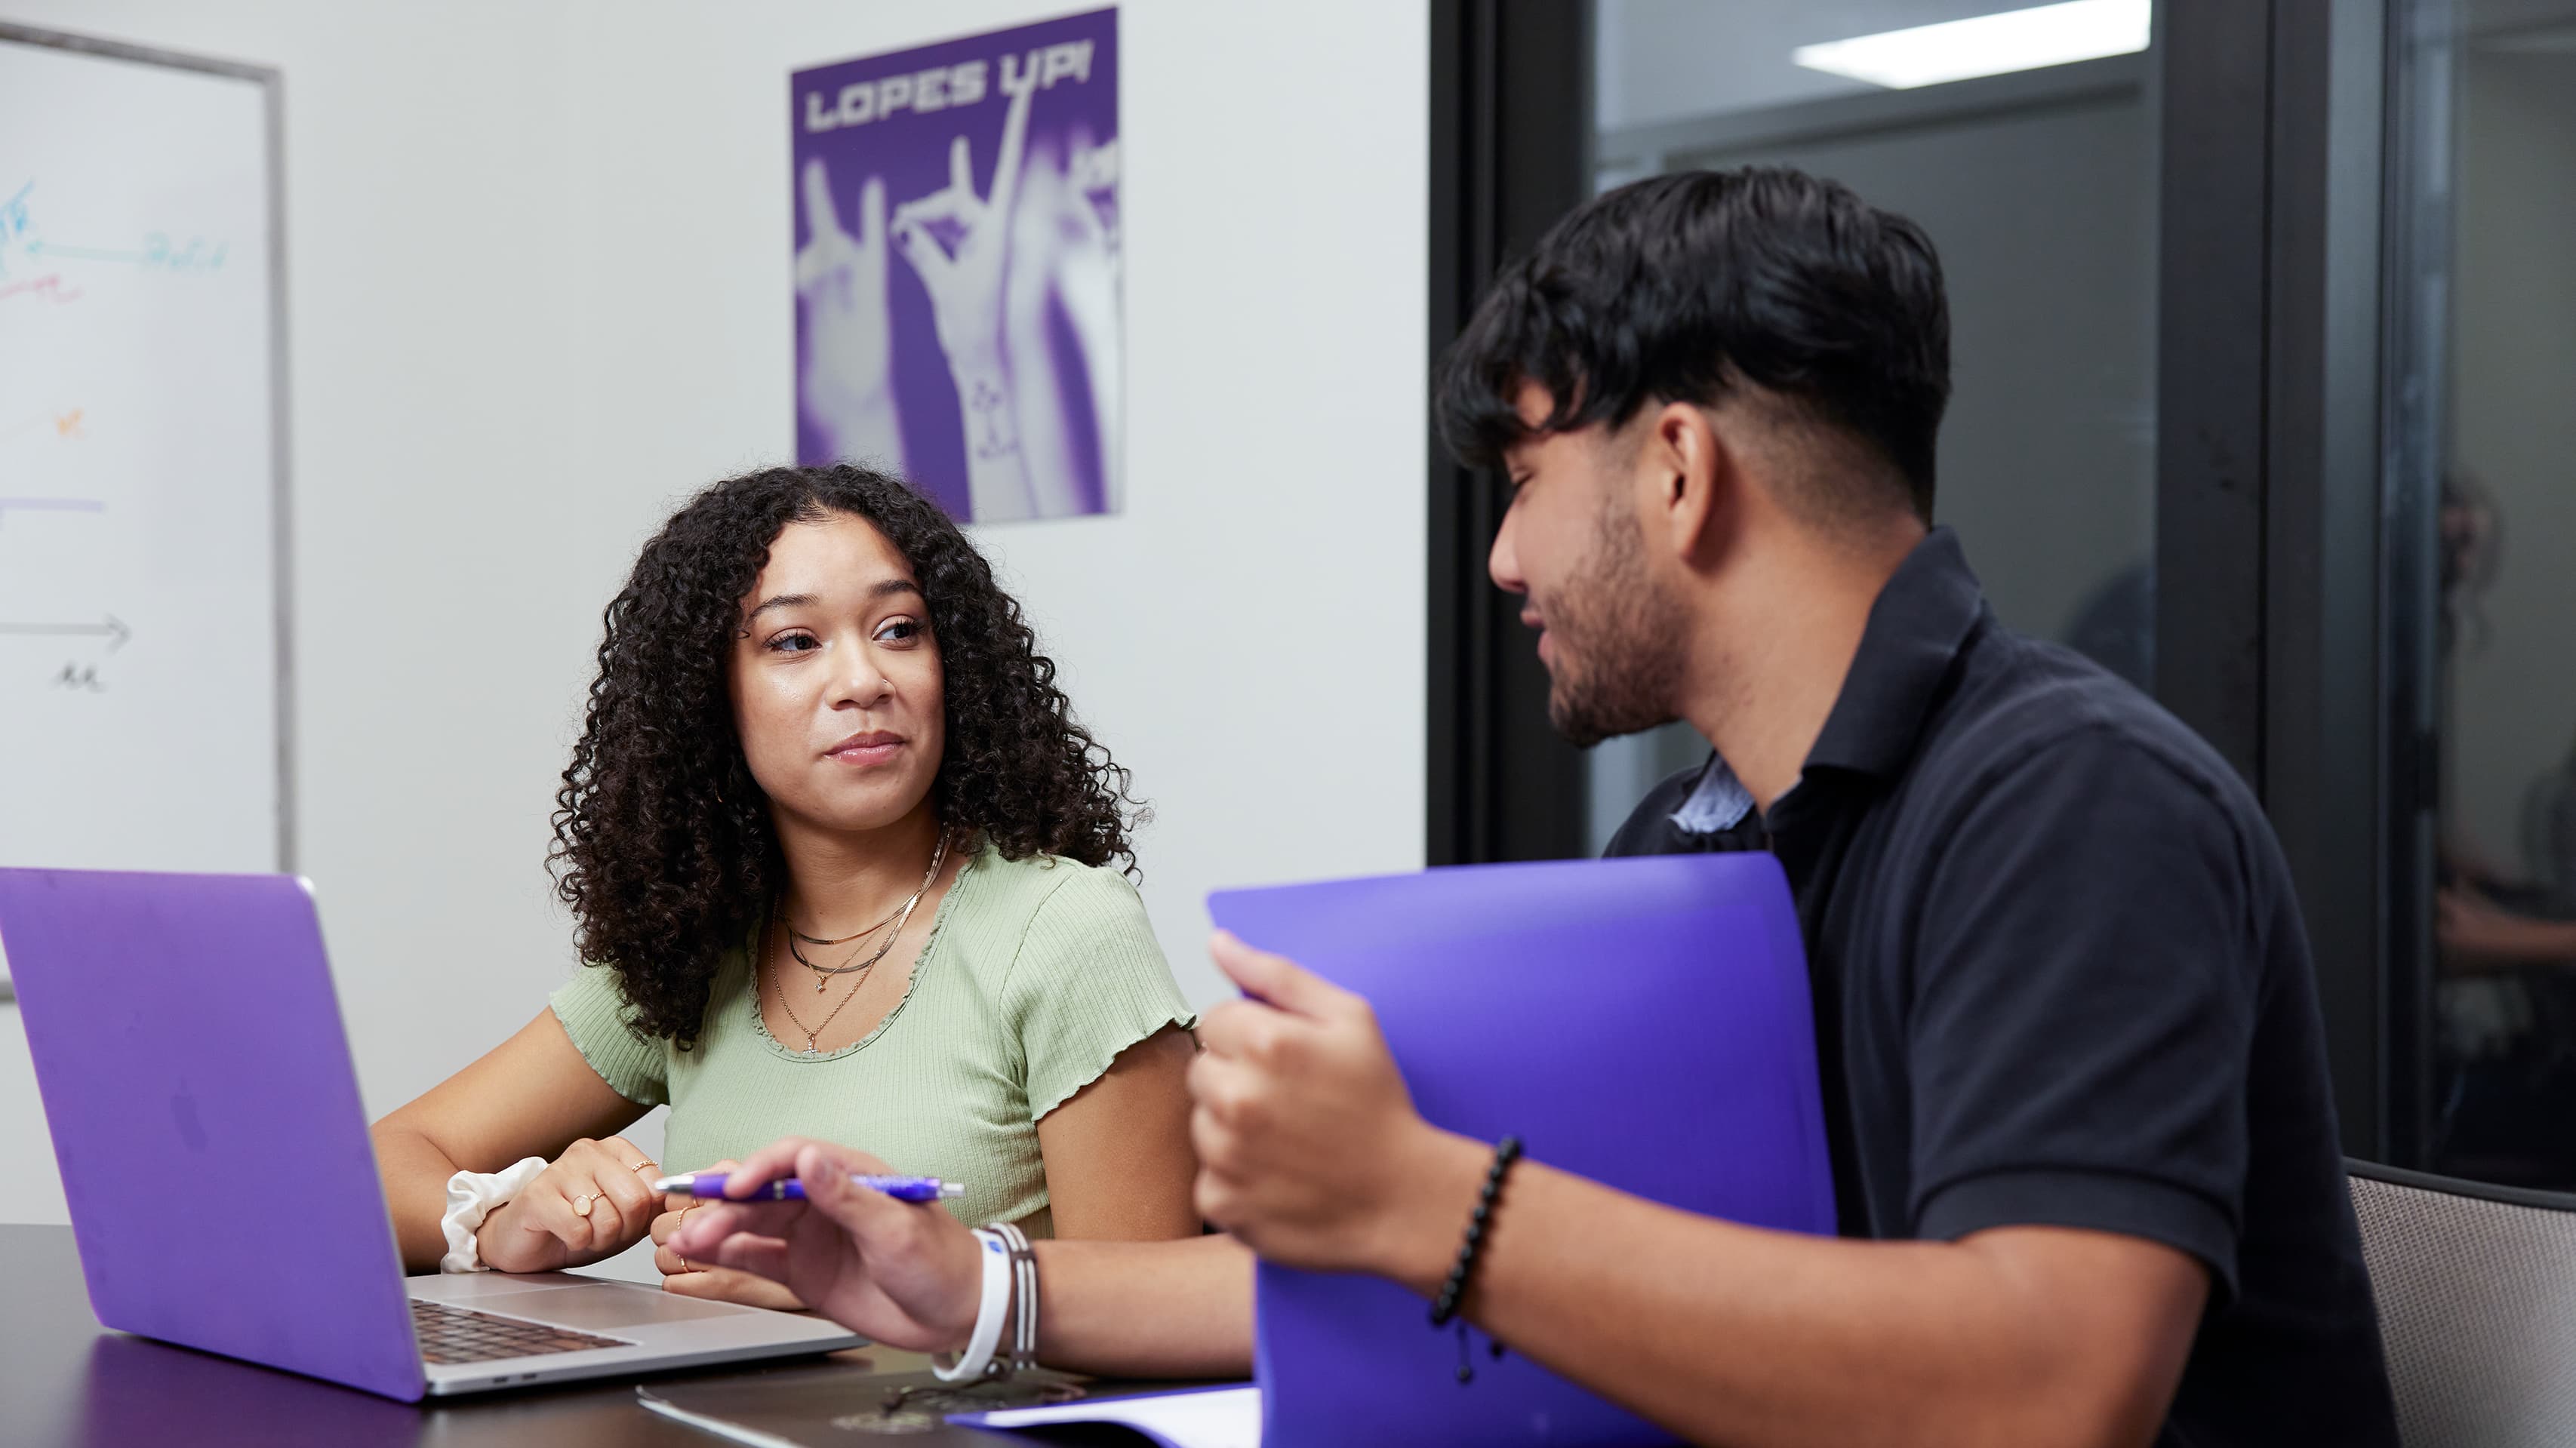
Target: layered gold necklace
(823,974)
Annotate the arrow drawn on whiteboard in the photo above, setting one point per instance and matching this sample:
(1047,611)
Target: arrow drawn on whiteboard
(50,505)
(113,630)
(157,253)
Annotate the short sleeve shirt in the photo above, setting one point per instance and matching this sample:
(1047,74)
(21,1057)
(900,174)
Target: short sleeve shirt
(2060,979)
(1036,975)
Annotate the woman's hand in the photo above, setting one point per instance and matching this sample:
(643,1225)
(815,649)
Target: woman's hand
(706,1279)
(590,1203)
(906,1274)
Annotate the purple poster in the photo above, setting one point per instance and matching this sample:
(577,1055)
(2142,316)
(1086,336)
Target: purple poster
(957,268)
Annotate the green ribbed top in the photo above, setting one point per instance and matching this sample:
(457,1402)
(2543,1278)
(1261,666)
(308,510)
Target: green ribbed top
(1037,973)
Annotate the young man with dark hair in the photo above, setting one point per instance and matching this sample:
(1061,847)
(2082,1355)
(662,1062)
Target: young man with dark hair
(2083,1147)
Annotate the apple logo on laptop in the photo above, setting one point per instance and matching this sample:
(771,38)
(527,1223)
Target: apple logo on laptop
(183,1109)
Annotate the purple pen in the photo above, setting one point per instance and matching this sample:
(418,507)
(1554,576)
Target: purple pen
(901,1188)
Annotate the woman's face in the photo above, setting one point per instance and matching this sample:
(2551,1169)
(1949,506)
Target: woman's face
(838,696)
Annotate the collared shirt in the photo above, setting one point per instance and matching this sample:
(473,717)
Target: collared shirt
(1698,810)
(2060,979)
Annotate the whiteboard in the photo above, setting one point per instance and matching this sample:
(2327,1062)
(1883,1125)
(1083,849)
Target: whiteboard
(143,642)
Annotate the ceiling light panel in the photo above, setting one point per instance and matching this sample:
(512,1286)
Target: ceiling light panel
(2011,40)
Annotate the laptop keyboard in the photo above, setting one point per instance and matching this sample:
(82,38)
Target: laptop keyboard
(454,1335)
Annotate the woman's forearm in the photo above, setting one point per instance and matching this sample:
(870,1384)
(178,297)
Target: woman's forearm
(1146,1309)
(532,1095)
(415,1174)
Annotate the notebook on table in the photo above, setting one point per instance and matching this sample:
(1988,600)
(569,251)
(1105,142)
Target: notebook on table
(1214,1417)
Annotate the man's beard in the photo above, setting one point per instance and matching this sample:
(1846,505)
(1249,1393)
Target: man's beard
(1618,640)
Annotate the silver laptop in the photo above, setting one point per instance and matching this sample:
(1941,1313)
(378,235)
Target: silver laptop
(189,1048)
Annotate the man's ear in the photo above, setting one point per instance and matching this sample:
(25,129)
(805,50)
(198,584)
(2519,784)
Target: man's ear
(1691,477)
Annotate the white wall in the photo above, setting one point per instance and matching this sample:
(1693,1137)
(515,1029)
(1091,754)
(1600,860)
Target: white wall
(539,289)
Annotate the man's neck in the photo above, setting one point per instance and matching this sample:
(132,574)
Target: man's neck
(845,880)
(1777,643)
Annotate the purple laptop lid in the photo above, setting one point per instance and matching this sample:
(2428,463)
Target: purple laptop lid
(1642,1022)
(185,1033)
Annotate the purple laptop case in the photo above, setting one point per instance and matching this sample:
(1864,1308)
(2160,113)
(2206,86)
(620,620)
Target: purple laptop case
(185,1034)
(1642,1022)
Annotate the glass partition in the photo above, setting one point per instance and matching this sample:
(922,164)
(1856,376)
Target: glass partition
(2481,582)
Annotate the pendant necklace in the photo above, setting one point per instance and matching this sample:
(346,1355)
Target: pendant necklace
(853,965)
(813,1034)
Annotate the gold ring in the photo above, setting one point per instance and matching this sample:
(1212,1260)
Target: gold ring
(641,1166)
(581,1205)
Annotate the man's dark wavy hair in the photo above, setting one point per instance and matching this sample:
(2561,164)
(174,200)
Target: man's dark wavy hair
(1677,287)
(663,846)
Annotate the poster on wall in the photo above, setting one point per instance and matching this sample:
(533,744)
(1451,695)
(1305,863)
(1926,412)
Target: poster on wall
(958,312)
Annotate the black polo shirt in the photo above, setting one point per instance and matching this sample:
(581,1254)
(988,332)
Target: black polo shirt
(2060,980)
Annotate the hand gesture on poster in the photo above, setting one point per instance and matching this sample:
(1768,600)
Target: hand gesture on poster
(1087,284)
(849,340)
(965,283)
(1064,265)
(967,305)
(1092,172)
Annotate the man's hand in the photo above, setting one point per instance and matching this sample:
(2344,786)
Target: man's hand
(1309,1148)
(906,1274)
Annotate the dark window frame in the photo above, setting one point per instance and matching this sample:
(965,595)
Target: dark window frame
(2270,628)
(1511,142)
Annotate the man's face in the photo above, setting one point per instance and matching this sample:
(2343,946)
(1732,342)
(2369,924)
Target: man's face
(1573,545)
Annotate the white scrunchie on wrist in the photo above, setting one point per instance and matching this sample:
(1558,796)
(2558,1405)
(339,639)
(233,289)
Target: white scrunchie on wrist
(472,1196)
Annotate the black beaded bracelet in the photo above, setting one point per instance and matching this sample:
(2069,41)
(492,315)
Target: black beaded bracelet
(1453,1293)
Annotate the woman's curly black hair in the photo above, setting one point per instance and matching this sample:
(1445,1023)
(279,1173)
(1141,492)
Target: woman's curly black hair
(663,846)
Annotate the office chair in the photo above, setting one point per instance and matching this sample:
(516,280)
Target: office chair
(2477,1306)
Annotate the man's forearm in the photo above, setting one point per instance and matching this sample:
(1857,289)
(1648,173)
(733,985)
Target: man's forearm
(1732,1334)
(1146,1309)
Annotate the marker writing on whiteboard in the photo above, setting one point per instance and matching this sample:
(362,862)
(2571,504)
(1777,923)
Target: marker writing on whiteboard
(13,215)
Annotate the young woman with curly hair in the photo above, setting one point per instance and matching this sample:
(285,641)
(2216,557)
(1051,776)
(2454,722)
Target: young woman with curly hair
(843,865)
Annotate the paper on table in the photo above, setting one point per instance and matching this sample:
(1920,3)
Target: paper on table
(1197,1418)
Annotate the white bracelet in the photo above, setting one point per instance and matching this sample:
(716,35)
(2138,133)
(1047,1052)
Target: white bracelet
(988,1313)
(1024,1300)
(473,1196)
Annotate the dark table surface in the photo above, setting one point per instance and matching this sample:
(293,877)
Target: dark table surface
(65,1381)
